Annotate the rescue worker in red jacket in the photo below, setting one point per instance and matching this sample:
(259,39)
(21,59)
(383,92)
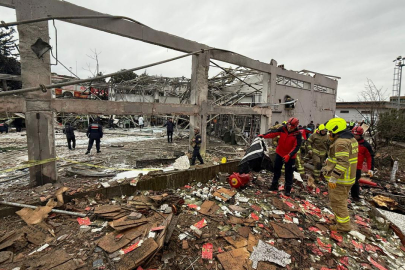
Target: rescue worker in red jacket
(286,152)
(365,153)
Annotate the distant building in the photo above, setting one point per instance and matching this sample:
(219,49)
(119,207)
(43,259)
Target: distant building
(361,110)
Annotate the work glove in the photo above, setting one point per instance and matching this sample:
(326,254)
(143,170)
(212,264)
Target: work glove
(370,173)
(332,182)
(286,158)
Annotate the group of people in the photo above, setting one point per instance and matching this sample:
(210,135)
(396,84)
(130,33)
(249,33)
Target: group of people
(338,153)
(95,133)
(17,122)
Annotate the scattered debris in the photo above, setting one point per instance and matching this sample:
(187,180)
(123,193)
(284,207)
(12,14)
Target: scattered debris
(268,253)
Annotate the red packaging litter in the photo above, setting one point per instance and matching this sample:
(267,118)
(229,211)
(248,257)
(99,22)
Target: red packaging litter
(131,247)
(358,246)
(376,264)
(336,236)
(200,224)
(254,216)
(84,221)
(192,206)
(207,251)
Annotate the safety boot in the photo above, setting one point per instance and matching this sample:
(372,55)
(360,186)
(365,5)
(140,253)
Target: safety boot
(98,151)
(273,187)
(88,152)
(287,191)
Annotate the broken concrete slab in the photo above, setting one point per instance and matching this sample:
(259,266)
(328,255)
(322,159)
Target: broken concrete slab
(268,253)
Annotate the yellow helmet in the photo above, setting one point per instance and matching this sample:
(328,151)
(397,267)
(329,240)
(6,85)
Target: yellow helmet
(336,125)
(321,127)
(285,122)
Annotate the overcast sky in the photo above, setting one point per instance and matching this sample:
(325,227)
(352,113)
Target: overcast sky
(354,40)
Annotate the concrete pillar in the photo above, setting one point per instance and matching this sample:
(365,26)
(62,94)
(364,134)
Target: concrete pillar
(39,118)
(199,95)
(265,120)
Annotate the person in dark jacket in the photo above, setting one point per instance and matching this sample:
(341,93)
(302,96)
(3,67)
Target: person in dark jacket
(366,153)
(196,144)
(94,133)
(311,126)
(3,128)
(286,152)
(70,135)
(170,125)
(18,124)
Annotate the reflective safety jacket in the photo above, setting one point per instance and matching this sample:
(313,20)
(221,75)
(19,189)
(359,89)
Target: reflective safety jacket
(318,143)
(342,159)
(275,140)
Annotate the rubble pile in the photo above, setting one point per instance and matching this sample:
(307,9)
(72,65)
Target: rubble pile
(206,226)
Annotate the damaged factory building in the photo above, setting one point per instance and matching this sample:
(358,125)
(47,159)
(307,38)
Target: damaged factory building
(128,170)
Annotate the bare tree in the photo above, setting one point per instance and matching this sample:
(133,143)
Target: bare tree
(94,57)
(375,98)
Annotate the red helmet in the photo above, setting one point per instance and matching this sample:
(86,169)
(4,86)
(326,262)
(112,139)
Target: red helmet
(358,131)
(293,122)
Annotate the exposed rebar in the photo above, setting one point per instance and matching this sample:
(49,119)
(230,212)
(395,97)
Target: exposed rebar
(35,207)
(42,87)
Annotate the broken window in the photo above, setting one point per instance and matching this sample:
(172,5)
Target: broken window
(281,80)
(344,111)
(324,89)
(290,105)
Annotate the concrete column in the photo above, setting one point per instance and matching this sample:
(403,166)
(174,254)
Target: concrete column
(199,95)
(265,120)
(39,117)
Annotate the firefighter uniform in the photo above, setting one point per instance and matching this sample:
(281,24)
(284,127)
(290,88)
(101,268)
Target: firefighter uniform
(318,143)
(340,170)
(274,141)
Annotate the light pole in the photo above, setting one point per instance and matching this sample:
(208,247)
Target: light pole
(399,62)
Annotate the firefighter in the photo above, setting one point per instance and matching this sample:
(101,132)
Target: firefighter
(299,162)
(318,145)
(340,170)
(286,152)
(365,152)
(94,133)
(274,141)
(70,135)
(196,144)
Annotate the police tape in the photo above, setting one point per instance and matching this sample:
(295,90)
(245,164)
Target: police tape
(33,163)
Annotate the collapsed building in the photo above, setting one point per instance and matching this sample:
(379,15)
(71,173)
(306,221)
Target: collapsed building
(167,207)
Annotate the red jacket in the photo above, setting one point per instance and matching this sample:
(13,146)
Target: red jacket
(304,133)
(365,152)
(289,142)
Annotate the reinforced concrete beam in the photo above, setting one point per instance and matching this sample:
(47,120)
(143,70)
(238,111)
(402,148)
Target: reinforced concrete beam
(18,105)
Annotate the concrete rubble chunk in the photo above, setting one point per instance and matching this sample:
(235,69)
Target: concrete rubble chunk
(397,219)
(182,163)
(268,253)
